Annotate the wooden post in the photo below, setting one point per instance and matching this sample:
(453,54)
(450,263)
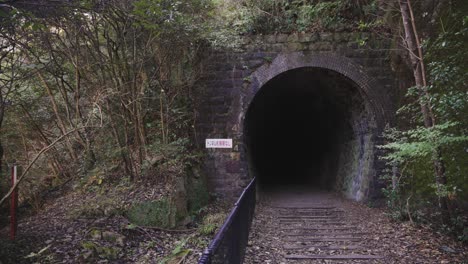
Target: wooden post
(14,203)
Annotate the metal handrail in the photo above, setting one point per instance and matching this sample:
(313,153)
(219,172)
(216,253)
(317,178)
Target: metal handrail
(234,241)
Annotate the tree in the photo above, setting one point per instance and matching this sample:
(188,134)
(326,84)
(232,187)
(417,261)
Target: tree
(433,133)
(9,66)
(128,65)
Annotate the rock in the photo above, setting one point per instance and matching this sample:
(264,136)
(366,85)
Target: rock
(281,38)
(305,37)
(447,249)
(70,230)
(114,237)
(95,234)
(293,38)
(87,254)
(179,200)
(270,39)
(186,221)
(325,36)
(120,241)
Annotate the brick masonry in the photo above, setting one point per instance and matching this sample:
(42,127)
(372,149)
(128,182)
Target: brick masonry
(233,79)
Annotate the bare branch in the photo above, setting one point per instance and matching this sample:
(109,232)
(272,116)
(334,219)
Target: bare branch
(38,155)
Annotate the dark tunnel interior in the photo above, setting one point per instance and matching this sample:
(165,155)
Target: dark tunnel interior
(295,126)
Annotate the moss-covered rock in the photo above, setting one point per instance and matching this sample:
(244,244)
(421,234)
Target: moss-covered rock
(158,213)
(198,195)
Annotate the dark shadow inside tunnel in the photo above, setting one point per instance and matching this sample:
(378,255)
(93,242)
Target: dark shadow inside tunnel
(296,127)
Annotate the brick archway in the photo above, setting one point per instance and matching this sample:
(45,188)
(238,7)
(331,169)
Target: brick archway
(358,162)
(369,87)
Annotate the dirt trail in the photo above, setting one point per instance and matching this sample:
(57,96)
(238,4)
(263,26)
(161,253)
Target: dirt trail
(300,226)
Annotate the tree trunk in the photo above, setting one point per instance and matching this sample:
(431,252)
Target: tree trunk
(2,114)
(1,159)
(57,115)
(413,45)
(125,156)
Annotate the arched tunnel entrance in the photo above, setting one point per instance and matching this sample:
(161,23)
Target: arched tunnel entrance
(310,126)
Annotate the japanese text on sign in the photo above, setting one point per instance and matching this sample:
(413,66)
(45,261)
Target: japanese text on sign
(219,143)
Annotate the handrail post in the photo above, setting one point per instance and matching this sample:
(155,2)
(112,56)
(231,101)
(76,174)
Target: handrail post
(14,203)
(206,257)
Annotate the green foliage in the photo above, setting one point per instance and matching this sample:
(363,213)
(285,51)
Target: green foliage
(101,206)
(326,14)
(412,189)
(211,223)
(93,249)
(182,17)
(412,151)
(126,69)
(459,226)
(174,158)
(207,229)
(224,27)
(395,207)
(447,68)
(419,143)
(179,252)
(286,16)
(158,213)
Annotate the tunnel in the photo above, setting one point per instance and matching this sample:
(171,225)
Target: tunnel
(310,127)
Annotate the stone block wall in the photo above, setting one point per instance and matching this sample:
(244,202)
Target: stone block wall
(233,78)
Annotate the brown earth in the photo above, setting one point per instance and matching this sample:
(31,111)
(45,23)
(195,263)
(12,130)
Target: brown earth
(89,227)
(288,224)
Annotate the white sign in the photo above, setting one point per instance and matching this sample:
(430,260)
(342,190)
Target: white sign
(219,143)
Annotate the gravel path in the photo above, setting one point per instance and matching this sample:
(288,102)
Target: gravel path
(300,226)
